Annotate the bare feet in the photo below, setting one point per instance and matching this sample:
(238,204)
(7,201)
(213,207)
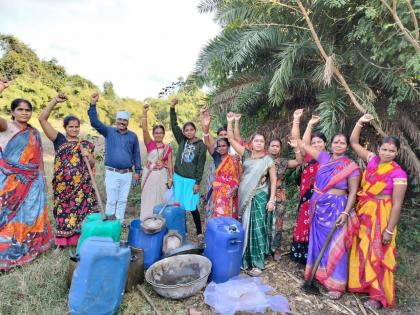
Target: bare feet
(255,272)
(376,305)
(277,255)
(334,295)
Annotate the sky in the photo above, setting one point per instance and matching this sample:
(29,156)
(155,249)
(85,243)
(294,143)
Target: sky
(138,45)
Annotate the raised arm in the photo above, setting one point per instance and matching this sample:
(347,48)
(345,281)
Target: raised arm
(308,149)
(49,130)
(93,116)
(237,128)
(298,160)
(205,124)
(240,149)
(308,132)
(4,84)
(296,123)
(355,136)
(179,135)
(144,125)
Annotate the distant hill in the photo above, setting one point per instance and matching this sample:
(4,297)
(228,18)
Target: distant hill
(39,80)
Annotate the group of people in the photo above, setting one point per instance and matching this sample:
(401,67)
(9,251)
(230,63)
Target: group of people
(245,180)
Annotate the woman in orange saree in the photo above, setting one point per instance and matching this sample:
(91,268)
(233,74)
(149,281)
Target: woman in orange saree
(226,181)
(372,257)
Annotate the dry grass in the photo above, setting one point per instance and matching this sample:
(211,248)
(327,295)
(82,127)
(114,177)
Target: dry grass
(40,287)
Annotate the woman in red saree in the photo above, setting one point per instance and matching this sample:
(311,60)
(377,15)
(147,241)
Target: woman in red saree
(299,247)
(372,257)
(74,196)
(25,230)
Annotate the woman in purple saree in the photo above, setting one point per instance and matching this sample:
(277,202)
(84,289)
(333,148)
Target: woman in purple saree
(336,184)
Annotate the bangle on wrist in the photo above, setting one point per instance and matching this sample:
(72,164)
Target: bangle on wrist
(359,124)
(389,232)
(296,121)
(347,214)
(298,151)
(205,134)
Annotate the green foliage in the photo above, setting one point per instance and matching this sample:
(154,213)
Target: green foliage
(39,80)
(269,44)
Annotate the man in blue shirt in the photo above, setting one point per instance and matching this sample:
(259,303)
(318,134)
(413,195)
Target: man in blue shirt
(122,152)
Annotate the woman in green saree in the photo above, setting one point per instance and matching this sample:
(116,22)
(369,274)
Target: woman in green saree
(255,198)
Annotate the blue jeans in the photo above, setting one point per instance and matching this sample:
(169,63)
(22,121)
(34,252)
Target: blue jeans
(117,188)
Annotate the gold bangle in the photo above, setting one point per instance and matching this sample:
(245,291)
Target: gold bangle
(359,124)
(344,212)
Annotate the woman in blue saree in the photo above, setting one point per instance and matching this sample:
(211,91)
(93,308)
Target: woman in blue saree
(25,230)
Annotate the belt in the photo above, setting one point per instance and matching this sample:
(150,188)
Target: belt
(119,170)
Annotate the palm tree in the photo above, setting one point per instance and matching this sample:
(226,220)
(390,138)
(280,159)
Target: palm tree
(267,61)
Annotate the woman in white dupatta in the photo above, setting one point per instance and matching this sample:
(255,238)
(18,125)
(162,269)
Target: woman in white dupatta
(158,170)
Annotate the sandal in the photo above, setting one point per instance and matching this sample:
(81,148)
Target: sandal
(255,272)
(335,295)
(374,304)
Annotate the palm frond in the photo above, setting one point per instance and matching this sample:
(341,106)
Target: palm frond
(331,110)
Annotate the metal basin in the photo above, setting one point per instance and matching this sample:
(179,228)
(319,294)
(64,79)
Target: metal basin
(178,277)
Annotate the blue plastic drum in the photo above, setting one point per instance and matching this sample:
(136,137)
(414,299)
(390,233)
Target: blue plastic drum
(224,241)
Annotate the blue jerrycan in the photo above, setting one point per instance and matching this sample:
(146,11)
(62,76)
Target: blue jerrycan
(224,241)
(98,283)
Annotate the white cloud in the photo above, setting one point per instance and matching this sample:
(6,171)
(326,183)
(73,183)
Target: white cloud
(138,45)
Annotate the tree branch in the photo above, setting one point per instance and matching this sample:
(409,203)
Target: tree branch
(413,19)
(406,150)
(397,20)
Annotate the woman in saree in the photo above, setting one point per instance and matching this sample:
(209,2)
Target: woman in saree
(74,196)
(275,218)
(212,148)
(372,257)
(299,247)
(157,176)
(25,230)
(336,184)
(255,197)
(223,200)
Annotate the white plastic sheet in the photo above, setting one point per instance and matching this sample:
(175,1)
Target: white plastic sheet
(244,294)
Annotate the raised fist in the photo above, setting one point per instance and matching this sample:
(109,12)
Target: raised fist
(94,98)
(60,98)
(146,107)
(174,102)
(4,84)
(314,120)
(230,116)
(297,114)
(366,118)
(238,116)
